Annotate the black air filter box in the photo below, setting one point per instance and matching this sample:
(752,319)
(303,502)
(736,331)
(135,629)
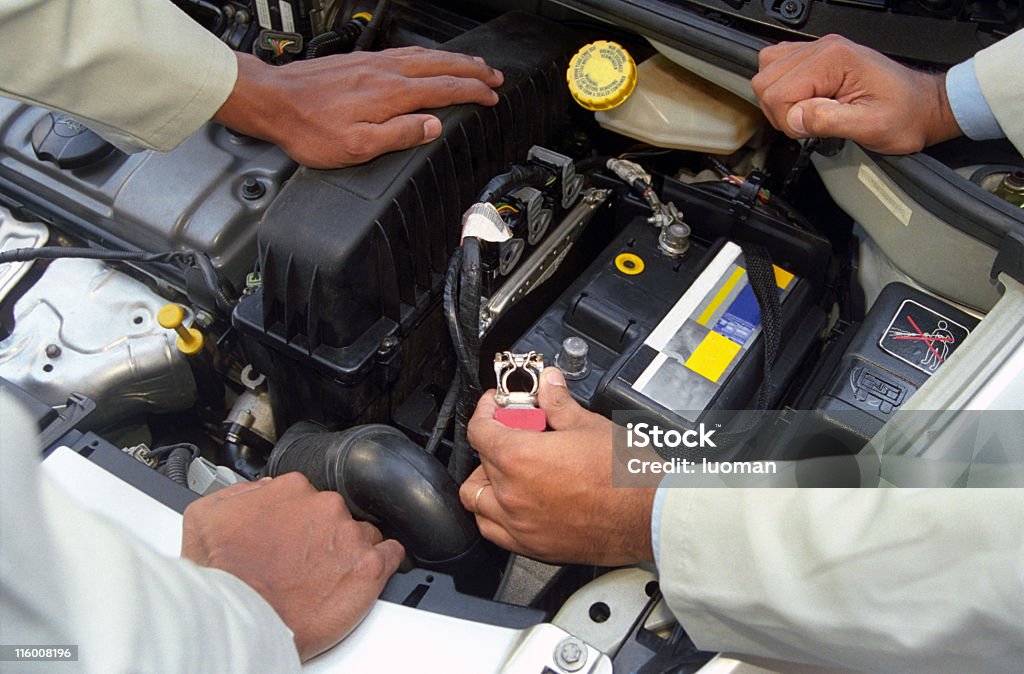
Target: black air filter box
(353,259)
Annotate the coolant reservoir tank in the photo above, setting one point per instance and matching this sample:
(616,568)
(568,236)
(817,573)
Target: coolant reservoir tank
(672,107)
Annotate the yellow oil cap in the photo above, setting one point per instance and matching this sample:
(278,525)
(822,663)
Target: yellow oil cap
(601,75)
(190,340)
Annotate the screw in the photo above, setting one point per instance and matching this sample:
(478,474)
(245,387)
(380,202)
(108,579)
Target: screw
(203,319)
(52,351)
(252,189)
(387,345)
(571,654)
(790,9)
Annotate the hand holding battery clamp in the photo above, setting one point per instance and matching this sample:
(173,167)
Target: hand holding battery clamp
(835,88)
(347,109)
(549,495)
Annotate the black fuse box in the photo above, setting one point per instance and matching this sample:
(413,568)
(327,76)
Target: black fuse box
(904,339)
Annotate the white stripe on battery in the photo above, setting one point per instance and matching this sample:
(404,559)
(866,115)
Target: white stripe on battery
(692,298)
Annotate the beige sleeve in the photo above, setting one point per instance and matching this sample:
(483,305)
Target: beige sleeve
(998,71)
(877,580)
(140,73)
(68,576)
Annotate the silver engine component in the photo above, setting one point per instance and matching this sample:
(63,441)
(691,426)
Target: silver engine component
(252,410)
(205,477)
(208,194)
(86,328)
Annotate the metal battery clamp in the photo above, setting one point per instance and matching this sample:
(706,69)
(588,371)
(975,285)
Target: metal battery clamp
(518,409)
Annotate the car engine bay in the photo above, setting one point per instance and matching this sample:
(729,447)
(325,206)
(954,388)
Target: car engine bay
(218,313)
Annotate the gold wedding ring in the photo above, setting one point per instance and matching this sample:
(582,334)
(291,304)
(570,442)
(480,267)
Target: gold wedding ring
(476,499)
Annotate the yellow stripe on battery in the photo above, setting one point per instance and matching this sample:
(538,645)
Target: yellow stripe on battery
(723,292)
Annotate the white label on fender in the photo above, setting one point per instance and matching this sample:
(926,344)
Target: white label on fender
(287,22)
(263,14)
(889,199)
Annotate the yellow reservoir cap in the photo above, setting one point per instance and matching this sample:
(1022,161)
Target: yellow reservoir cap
(190,340)
(601,75)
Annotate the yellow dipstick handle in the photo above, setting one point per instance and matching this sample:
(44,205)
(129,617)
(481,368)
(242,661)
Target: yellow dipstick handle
(190,340)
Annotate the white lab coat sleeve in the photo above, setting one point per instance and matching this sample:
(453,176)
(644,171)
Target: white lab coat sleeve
(68,577)
(890,580)
(140,73)
(998,71)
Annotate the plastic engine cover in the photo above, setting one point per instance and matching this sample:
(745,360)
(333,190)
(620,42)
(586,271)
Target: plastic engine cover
(353,259)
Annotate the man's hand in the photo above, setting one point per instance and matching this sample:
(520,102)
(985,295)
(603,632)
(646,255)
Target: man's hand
(549,495)
(299,548)
(834,88)
(349,108)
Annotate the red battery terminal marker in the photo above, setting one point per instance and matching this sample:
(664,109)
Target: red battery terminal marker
(518,409)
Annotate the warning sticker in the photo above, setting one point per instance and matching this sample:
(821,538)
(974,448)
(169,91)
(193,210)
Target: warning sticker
(922,337)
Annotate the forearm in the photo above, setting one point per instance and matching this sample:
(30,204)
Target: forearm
(997,69)
(890,580)
(142,73)
(145,612)
(68,576)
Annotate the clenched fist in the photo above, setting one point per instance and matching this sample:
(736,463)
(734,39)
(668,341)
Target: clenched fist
(834,88)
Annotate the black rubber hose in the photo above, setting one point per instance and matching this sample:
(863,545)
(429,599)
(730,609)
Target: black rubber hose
(444,415)
(177,464)
(470,290)
(451,310)
(518,176)
(462,461)
(337,41)
(389,481)
(369,37)
(592,164)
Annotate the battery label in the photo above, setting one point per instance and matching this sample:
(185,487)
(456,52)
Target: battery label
(922,337)
(705,335)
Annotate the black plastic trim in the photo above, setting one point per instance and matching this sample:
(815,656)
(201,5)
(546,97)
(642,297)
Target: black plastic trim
(679,27)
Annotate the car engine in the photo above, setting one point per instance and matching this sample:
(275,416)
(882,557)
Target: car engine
(217,313)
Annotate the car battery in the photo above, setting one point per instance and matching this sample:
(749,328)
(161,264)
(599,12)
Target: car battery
(677,337)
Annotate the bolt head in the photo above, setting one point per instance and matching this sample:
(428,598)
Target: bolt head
(571,654)
(252,189)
